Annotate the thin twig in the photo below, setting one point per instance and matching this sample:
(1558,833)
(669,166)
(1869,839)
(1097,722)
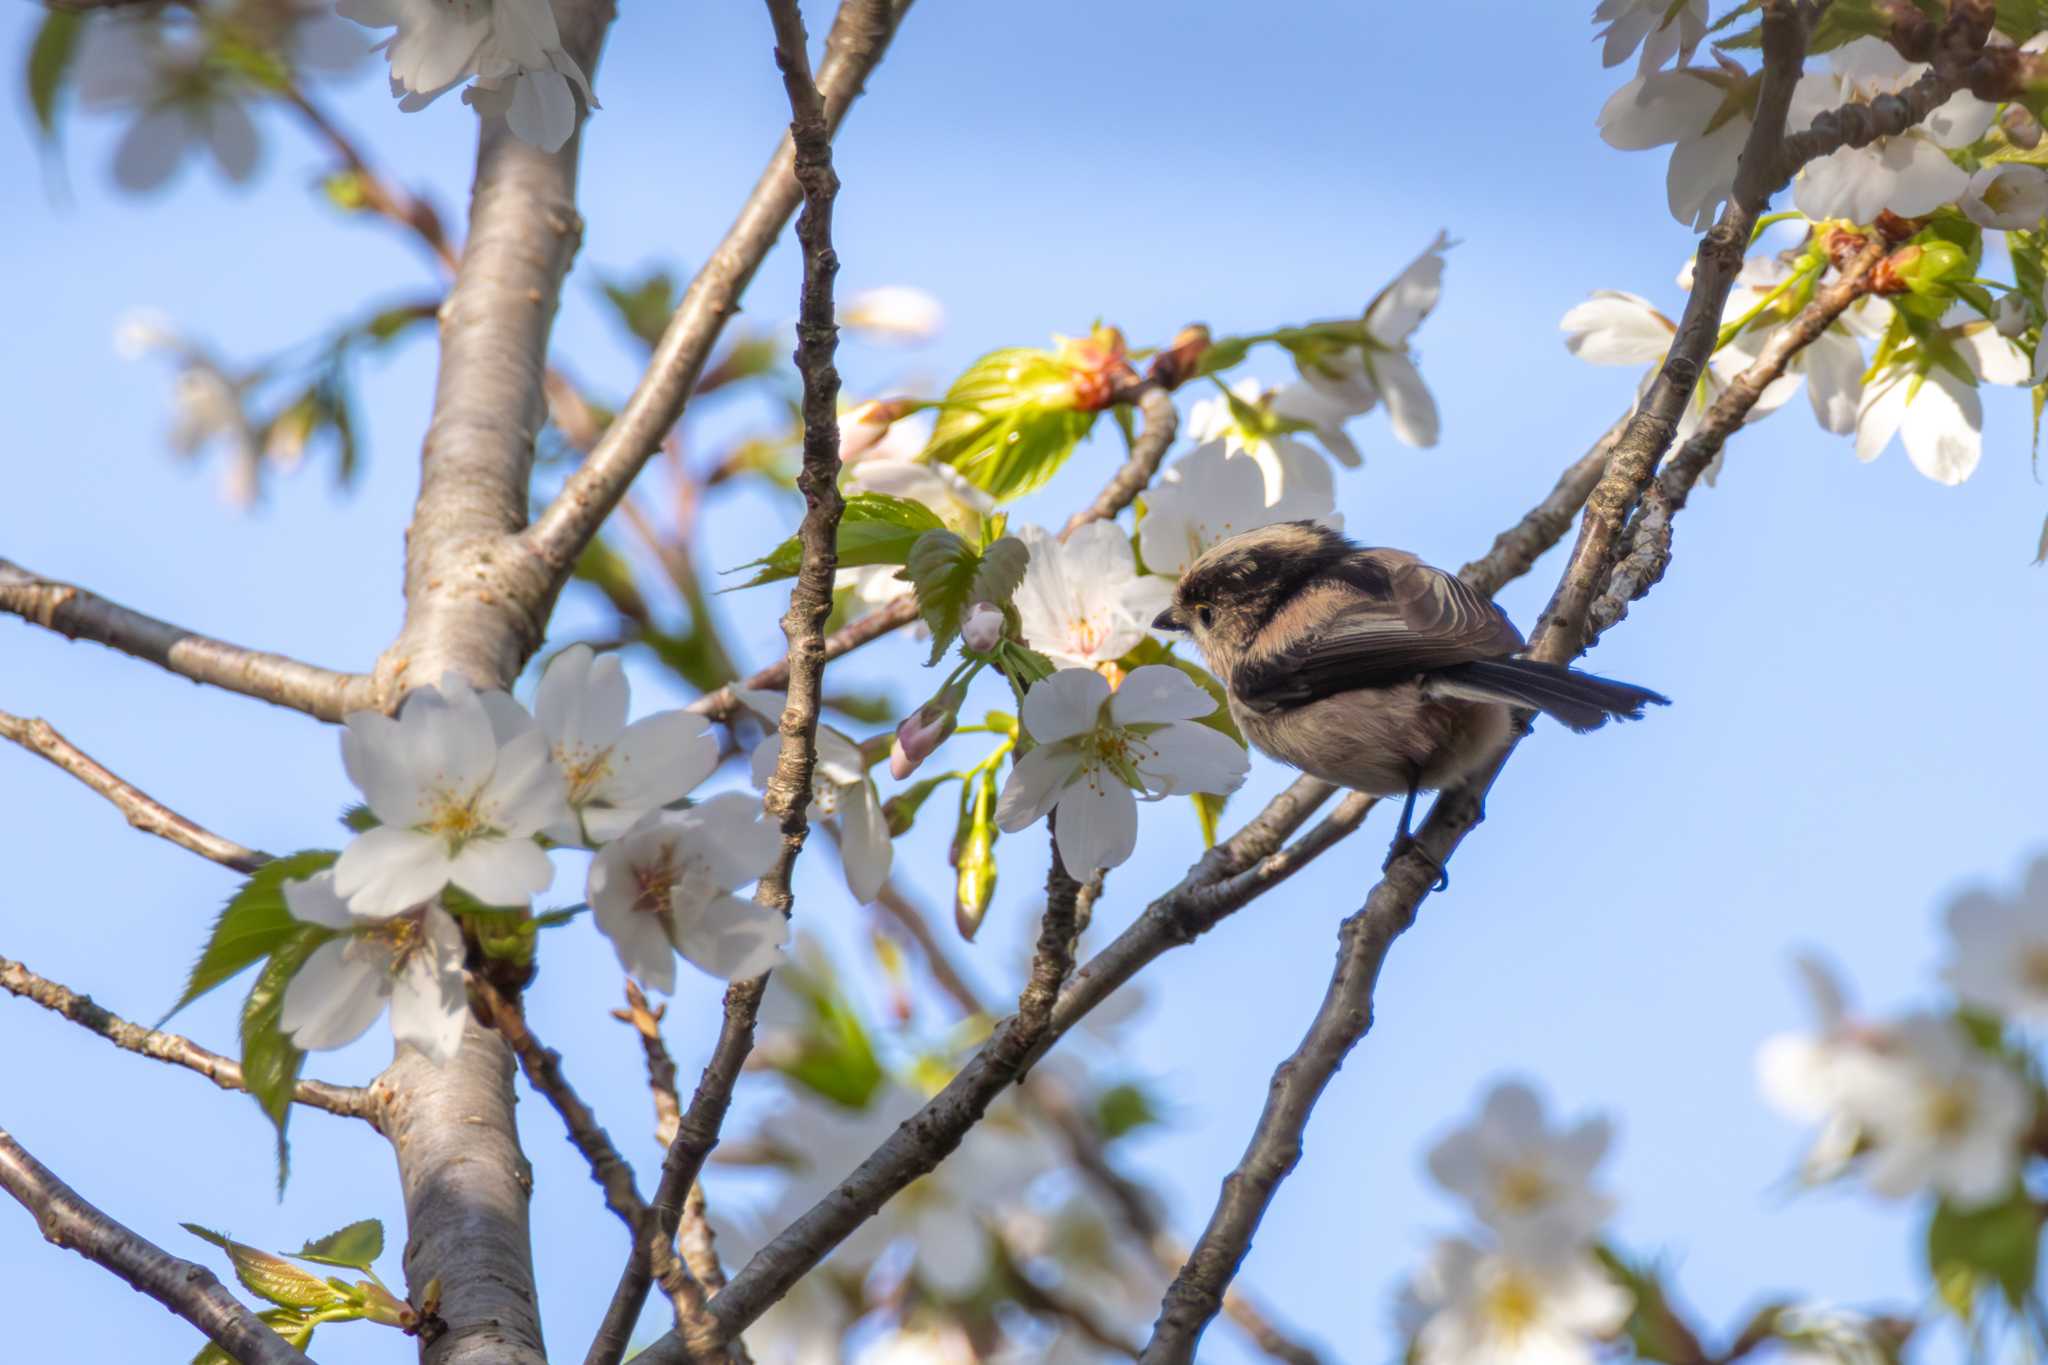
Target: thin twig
(860,35)
(542,1066)
(891,616)
(1155,404)
(347,1101)
(380,196)
(81,615)
(144,811)
(186,1288)
(789,788)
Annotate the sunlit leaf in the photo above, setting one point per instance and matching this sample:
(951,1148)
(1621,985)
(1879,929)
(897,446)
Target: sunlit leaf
(1009,422)
(355,1247)
(270,1063)
(253,924)
(875,528)
(643,306)
(272,1277)
(1998,1244)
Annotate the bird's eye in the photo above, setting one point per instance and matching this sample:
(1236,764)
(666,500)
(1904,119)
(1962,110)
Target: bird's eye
(1204,616)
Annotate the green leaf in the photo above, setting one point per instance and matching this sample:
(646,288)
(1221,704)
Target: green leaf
(901,809)
(875,528)
(295,1327)
(1124,1109)
(974,856)
(359,818)
(834,1057)
(252,924)
(643,306)
(1000,573)
(1654,1329)
(1009,423)
(50,58)
(273,1277)
(941,567)
(354,1247)
(270,1064)
(1998,1244)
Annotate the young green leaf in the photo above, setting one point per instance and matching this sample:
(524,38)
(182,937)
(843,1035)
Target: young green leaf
(643,306)
(354,1247)
(252,924)
(876,528)
(295,1327)
(1000,573)
(50,58)
(270,1063)
(834,1057)
(1009,422)
(272,1277)
(1999,1244)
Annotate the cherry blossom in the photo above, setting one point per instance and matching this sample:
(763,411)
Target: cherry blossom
(1529,1183)
(1702,114)
(1661,29)
(841,792)
(1082,601)
(1472,1305)
(410,960)
(1208,495)
(1937,414)
(666,886)
(895,313)
(1093,749)
(1381,366)
(183,103)
(1998,948)
(615,772)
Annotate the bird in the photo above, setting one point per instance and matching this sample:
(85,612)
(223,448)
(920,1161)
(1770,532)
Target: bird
(1367,667)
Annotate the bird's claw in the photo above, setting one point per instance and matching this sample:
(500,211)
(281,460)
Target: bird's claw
(1405,843)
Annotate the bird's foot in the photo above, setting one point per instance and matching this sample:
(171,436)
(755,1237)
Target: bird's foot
(1405,843)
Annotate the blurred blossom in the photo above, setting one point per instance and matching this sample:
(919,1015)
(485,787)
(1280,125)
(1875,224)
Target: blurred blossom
(512,48)
(142,330)
(184,103)
(806,1326)
(894,313)
(2007,196)
(1532,1184)
(1998,949)
(1355,378)
(1470,1305)
(1820,1334)
(942,1345)
(1662,29)
(1701,114)
(841,791)
(1941,1114)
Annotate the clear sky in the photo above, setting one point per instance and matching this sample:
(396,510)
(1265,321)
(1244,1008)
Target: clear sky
(1854,653)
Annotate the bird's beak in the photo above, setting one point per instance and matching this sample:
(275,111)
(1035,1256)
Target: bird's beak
(1170,619)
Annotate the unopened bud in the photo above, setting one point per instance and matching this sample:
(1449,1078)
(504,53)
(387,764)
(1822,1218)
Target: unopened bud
(975,886)
(862,426)
(924,730)
(1098,366)
(982,631)
(1176,364)
(2020,127)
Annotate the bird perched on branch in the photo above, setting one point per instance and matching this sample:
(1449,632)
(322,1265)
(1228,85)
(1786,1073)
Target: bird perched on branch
(1367,667)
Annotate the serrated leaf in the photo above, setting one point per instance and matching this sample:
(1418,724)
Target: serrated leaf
(359,818)
(252,924)
(272,1277)
(1998,1244)
(50,58)
(1000,573)
(1008,422)
(355,1247)
(270,1063)
(875,528)
(941,568)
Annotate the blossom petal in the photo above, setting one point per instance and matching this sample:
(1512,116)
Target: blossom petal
(1190,758)
(1834,379)
(582,699)
(149,152)
(1097,823)
(315,901)
(429,1004)
(865,849)
(502,871)
(388,869)
(1034,785)
(659,758)
(526,792)
(1410,407)
(738,844)
(1616,328)
(733,939)
(1878,416)
(1064,705)
(1943,428)
(334,997)
(1159,692)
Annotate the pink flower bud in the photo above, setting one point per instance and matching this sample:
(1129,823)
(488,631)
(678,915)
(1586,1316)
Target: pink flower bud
(862,427)
(982,631)
(924,730)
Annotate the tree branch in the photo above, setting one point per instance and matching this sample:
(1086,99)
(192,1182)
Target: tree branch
(1365,938)
(1155,404)
(860,35)
(144,811)
(80,615)
(348,1101)
(543,1068)
(187,1289)
(789,789)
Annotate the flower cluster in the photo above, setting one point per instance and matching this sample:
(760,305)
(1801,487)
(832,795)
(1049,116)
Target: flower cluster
(1527,1287)
(465,791)
(1931,1102)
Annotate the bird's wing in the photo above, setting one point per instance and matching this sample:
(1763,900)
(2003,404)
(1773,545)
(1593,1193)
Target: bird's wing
(1403,618)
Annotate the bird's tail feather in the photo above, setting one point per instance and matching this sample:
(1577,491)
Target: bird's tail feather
(1582,701)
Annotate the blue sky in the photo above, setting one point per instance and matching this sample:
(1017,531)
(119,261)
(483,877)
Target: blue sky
(1853,651)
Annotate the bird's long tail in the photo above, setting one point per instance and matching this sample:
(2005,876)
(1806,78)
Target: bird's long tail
(1582,701)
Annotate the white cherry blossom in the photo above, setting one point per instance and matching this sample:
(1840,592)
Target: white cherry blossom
(666,886)
(1998,948)
(1357,377)
(1699,114)
(458,803)
(1832,364)
(1533,1185)
(2007,196)
(1661,29)
(1941,1114)
(1479,1306)
(1909,174)
(895,313)
(1618,328)
(1804,1074)
(1208,495)
(410,961)
(183,106)
(1094,748)
(1082,601)
(1249,420)
(1938,415)
(841,792)
(615,772)
(513,48)
(890,464)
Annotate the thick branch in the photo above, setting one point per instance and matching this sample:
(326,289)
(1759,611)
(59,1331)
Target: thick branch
(80,615)
(860,35)
(1366,937)
(543,1068)
(348,1101)
(144,811)
(187,1289)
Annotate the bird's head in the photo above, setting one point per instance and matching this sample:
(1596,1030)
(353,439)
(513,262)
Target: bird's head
(1237,585)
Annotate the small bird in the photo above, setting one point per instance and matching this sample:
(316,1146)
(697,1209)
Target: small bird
(1367,667)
